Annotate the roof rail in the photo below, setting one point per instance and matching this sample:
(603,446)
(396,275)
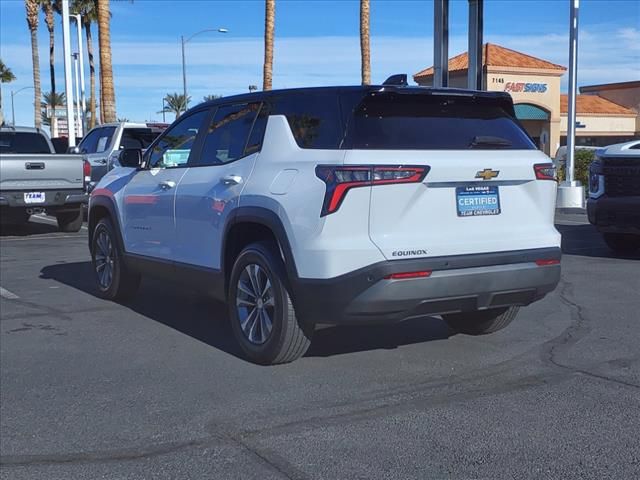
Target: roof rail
(399,80)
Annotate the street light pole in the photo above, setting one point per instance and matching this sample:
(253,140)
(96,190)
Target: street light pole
(77,86)
(184,41)
(13,111)
(68,83)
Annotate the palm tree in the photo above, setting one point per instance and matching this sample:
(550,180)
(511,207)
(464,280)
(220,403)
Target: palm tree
(208,98)
(87,9)
(33,10)
(269,27)
(253,88)
(48,8)
(175,103)
(365,52)
(51,100)
(107,91)
(6,76)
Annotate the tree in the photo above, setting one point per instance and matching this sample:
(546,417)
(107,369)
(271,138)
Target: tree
(107,91)
(87,9)
(269,27)
(48,8)
(365,52)
(51,100)
(33,9)
(6,76)
(175,103)
(208,98)
(253,88)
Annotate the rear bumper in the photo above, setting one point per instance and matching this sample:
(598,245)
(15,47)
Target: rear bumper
(53,198)
(457,284)
(615,214)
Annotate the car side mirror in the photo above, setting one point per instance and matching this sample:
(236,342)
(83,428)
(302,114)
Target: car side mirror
(131,157)
(73,150)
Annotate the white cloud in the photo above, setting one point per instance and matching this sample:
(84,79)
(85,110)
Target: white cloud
(146,69)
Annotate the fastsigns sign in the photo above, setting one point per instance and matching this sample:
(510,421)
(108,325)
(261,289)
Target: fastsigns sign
(523,87)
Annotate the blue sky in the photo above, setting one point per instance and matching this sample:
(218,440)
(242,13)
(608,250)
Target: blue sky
(316,44)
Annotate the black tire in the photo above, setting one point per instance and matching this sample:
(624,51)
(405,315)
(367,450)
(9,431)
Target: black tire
(123,283)
(622,243)
(288,338)
(481,322)
(70,221)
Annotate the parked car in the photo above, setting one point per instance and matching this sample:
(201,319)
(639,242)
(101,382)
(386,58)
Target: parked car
(614,196)
(338,205)
(33,179)
(102,144)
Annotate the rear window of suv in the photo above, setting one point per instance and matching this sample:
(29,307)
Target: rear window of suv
(139,138)
(23,142)
(391,121)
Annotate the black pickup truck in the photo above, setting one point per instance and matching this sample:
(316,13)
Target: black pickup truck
(614,196)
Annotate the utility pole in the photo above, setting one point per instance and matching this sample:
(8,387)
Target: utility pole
(78,111)
(68,83)
(441,43)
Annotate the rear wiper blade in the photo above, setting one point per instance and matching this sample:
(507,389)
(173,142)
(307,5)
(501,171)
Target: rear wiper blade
(488,141)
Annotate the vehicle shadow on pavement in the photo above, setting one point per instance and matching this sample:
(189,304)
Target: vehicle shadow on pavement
(206,320)
(586,241)
(30,228)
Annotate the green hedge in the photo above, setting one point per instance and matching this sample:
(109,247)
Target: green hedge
(583,160)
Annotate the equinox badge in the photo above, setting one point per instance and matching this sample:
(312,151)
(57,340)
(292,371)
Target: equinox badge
(487,174)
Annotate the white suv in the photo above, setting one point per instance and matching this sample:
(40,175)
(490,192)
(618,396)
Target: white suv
(333,206)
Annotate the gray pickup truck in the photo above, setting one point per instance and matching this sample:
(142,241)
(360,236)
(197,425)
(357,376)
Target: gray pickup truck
(35,180)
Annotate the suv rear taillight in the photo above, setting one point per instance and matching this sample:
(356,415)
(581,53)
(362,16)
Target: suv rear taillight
(545,171)
(340,179)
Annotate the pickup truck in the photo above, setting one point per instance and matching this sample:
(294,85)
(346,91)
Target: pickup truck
(35,180)
(102,145)
(614,196)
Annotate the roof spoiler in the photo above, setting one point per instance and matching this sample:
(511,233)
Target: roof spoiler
(399,80)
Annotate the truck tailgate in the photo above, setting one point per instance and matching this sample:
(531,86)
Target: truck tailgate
(40,172)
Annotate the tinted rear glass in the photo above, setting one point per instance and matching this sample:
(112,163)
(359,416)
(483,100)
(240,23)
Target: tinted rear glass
(314,118)
(391,121)
(23,142)
(137,137)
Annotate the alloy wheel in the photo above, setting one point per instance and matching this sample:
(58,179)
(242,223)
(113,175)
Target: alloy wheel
(104,259)
(255,304)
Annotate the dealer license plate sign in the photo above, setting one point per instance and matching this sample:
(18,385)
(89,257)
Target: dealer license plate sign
(34,197)
(477,200)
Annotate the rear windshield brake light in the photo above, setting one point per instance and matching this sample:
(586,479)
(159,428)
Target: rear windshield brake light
(340,179)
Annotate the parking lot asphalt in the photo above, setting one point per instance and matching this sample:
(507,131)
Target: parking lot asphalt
(155,388)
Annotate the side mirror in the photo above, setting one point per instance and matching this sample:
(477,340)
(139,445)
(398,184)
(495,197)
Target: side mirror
(131,157)
(73,150)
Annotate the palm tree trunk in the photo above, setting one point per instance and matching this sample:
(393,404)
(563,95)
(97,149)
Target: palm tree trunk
(269,27)
(37,94)
(365,52)
(92,75)
(33,10)
(107,91)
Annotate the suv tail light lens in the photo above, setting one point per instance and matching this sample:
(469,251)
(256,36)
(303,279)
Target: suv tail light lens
(545,171)
(340,179)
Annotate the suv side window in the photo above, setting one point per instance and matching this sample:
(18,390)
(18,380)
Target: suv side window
(174,146)
(227,135)
(88,143)
(314,119)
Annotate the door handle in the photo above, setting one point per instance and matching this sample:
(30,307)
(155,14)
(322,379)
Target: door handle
(232,180)
(167,184)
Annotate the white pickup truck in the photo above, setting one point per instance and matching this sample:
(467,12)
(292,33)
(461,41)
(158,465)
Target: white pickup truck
(33,179)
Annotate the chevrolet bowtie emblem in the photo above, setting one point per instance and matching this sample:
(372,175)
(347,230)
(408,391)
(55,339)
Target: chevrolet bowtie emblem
(487,174)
